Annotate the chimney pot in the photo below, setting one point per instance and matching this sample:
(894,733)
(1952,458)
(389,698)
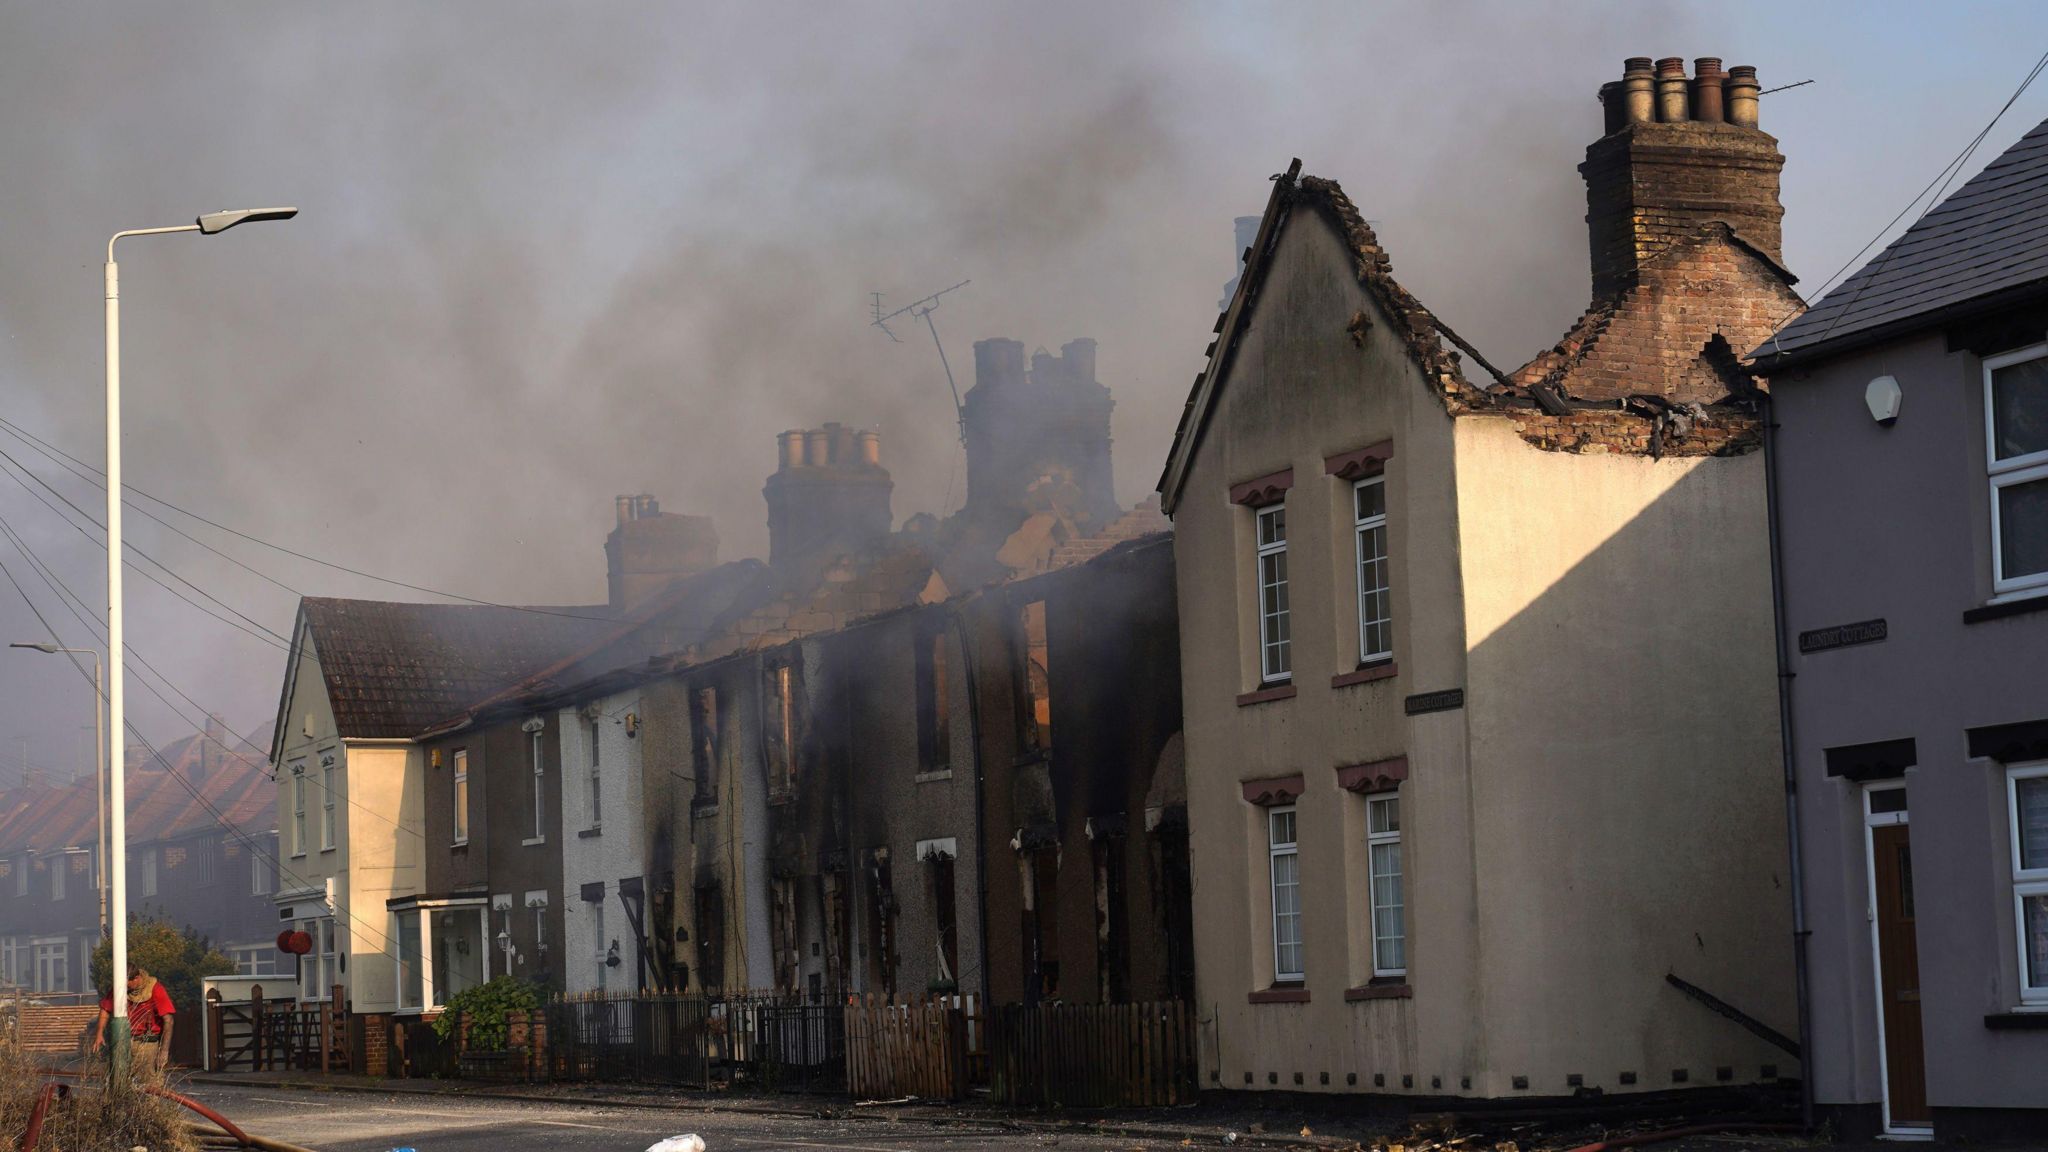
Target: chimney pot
(625,509)
(1707,79)
(1638,91)
(817,448)
(871,449)
(1613,110)
(789,447)
(1671,102)
(1741,93)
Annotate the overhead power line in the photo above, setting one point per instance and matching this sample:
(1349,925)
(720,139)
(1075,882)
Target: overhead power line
(24,434)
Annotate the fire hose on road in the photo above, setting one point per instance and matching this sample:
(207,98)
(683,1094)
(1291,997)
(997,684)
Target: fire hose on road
(225,1134)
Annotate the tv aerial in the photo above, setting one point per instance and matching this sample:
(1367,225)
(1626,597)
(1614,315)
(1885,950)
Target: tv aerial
(922,310)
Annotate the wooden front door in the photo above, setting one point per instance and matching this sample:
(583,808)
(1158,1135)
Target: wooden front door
(1898,966)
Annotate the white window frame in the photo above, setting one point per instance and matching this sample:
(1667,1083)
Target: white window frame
(537,904)
(535,728)
(327,816)
(261,882)
(1276,656)
(51,956)
(149,871)
(1275,849)
(318,966)
(1360,527)
(603,947)
(2026,882)
(299,809)
(433,999)
(1380,966)
(2008,473)
(596,776)
(23,865)
(59,866)
(459,785)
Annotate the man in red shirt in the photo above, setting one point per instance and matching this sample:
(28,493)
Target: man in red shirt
(150,1017)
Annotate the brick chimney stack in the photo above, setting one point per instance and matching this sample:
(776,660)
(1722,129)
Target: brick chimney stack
(650,549)
(1026,428)
(1676,154)
(829,495)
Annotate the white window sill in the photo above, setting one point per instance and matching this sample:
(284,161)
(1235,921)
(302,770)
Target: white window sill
(463,843)
(298,855)
(2016,595)
(533,840)
(934,776)
(327,849)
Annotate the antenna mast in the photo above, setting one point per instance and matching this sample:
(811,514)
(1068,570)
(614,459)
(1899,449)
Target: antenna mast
(922,310)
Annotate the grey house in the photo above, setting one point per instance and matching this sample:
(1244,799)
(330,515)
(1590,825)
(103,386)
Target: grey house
(1910,460)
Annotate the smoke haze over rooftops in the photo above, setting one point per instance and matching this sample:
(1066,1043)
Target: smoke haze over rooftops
(545,257)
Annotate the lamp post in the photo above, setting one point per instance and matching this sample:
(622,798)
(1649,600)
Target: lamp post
(117,973)
(99,762)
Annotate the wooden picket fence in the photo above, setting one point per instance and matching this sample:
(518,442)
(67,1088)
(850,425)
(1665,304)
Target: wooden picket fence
(924,1046)
(1093,1055)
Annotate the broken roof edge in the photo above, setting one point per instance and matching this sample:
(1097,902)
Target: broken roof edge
(1423,333)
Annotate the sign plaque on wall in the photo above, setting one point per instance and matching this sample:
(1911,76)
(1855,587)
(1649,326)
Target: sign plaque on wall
(1442,701)
(1842,636)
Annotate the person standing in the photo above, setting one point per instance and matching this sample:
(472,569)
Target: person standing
(151,1015)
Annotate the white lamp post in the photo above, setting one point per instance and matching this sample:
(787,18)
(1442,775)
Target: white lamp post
(117,868)
(99,762)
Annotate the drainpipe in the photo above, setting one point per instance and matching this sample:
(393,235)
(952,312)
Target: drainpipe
(980,808)
(1787,754)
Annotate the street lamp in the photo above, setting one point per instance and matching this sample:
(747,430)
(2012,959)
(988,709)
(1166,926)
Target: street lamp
(116,720)
(99,762)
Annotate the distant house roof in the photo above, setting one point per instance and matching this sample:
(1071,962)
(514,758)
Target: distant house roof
(393,669)
(1987,240)
(164,800)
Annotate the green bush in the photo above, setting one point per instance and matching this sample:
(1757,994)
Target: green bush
(485,1005)
(177,957)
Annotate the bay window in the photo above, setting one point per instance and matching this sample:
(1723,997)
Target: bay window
(442,947)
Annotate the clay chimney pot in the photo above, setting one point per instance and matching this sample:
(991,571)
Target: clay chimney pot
(1613,109)
(871,449)
(1707,79)
(818,448)
(1671,101)
(789,448)
(1638,91)
(1740,94)
(625,509)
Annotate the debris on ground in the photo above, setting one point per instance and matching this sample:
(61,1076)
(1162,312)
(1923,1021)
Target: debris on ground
(688,1142)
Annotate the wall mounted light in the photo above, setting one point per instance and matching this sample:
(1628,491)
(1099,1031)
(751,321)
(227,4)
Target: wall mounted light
(1882,397)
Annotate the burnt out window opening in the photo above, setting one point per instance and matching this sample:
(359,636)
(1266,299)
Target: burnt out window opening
(1042,930)
(1276,660)
(2016,435)
(783,934)
(711,938)
(881,924)
(461,795)
(704,743)
(1034,679)
(780,716)
(1375,597)
(934,720)
(938,859)
(1112,928)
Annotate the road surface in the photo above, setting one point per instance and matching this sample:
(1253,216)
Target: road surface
(379,1122)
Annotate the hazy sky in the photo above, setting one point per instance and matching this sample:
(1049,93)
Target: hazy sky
(548,254)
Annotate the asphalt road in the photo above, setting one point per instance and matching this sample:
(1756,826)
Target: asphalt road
(367,1122)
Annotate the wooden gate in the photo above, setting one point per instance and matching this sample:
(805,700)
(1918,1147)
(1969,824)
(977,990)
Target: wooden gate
(276,1035)
(1093,1055)
(908,1048)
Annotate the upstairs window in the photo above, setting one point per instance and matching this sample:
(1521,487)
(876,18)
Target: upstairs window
(1034,679)
(462,795)
(261,879)
(149,872)
(781,735)
(596,779)
(1275,645)
(1375,600)
(535,729)
(2016,428)
(934,712)
(704,743)
(2027,801)
(327,790)
(298,809)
